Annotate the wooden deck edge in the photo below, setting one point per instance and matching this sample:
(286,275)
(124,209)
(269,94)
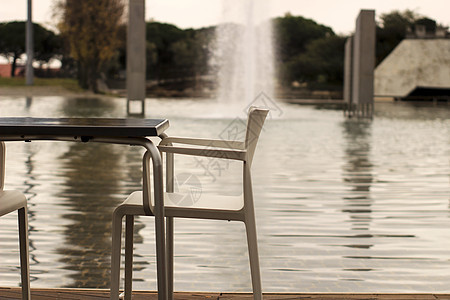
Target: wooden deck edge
(7,293)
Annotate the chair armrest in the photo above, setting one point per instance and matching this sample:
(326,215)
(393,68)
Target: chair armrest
(203,142)
(216,153)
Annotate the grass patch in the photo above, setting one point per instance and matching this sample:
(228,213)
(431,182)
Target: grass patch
(12,81)
(67,83)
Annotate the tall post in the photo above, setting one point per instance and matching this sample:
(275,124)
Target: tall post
(363,62)
(348,78)
(136,61)
(359,67)
(29,46)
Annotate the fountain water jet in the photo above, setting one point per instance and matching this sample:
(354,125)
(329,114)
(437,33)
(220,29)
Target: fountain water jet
(244,56)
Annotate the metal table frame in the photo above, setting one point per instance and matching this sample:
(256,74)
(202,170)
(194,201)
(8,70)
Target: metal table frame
(152,153)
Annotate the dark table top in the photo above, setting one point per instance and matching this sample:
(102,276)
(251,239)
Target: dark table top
(107,127)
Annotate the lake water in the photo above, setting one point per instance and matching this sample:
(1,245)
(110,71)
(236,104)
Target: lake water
(342,205)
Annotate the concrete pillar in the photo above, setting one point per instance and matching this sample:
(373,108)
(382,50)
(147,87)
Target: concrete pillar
(348,78)
(136,54)
(364,60)
(29,72)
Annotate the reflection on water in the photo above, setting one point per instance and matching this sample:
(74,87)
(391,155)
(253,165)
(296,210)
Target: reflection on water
(92,176)
(29,191)
(357,173)
(342,205)
(87,107)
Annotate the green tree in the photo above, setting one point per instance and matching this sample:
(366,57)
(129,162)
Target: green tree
(152,58)
(91,28)
(328,54)
(306,51)
(160,38)
(321,63)
(12,43)
(393,28)
(192,53)
(117,63)
(293,33)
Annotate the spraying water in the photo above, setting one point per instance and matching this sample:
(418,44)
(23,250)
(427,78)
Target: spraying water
(244,53)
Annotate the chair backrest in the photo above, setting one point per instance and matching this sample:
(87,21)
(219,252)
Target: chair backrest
(255,122)
(2,164)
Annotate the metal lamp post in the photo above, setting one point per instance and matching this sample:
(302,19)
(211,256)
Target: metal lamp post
(29,47)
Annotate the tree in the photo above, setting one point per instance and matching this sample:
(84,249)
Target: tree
(391,30)
(192,53)
(328,54)
(160,38)
(294,33)
(321,63)
(91,27)
(430,25)
(12,43)
(304,50)
(118,63)
(47,44)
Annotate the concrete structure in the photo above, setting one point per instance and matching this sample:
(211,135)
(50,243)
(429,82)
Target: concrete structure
(359,66)
(364,61)
(414,63)
(348,70)
(136,55)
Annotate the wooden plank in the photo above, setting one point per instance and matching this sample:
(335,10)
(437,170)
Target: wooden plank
(96,294)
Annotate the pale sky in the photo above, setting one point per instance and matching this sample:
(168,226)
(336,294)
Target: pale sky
(339,15)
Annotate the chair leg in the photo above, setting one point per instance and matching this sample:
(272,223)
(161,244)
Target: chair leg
(161,260)
(129,226)
(254,258)
(169,249)
(115,254)
(24,260)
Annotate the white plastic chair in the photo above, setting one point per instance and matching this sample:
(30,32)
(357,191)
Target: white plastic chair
(238,208)
(11,201)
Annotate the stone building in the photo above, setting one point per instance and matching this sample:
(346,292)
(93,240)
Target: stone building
(418,68)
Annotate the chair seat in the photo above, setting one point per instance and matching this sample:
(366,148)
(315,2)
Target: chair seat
(11,201)
(175,203)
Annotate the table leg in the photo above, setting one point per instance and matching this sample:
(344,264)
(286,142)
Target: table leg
(153,153)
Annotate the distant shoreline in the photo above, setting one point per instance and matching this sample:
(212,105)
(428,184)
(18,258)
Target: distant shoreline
(59,91)
(42,91)
(39,91)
